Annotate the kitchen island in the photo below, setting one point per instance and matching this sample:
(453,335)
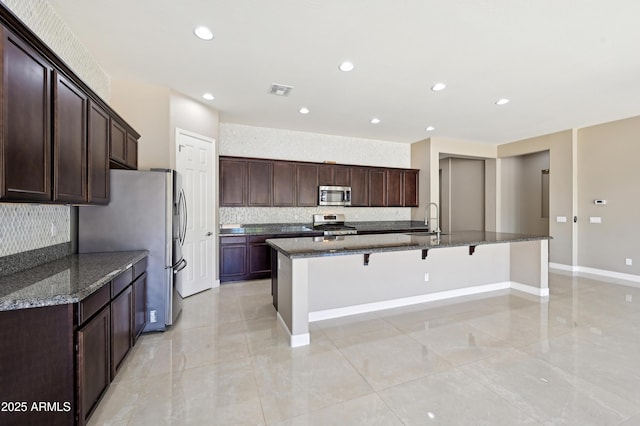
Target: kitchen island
(321,278)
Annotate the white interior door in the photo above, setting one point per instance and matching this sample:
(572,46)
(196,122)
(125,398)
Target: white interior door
(195,162)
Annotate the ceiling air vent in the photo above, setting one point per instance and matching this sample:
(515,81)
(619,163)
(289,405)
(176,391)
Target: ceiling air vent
(280,89)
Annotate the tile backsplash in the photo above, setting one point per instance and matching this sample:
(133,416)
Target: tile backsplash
(25,227)
(242,215)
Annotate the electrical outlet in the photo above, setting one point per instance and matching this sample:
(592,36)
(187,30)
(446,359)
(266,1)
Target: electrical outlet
(561,219)
(54,230)
(595,219)
(153,316)
(628,262)
(426,277)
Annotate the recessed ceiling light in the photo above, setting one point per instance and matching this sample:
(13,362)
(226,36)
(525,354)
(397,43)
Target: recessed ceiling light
(304,110)
(438,87)
(430,128)
(375,120)
(203,33)
(208,96)
(346,66)
(502,101)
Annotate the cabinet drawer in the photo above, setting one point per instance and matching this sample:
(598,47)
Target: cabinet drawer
(233,240)
(93,303)
(139,268)
(121,282)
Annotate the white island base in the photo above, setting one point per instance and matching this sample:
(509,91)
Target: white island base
(317,288)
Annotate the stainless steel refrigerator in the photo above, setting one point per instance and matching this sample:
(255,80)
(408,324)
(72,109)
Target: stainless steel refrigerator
(147,210)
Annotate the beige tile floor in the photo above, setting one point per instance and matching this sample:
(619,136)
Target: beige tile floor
(502,358)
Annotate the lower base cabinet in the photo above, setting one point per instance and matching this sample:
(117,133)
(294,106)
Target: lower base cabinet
(94,362)
(248,257)
(56,362)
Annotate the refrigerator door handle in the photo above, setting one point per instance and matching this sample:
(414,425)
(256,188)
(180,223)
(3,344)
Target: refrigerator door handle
(184,216)
(181,265)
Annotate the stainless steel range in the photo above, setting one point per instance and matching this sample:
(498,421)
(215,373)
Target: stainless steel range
(332,224)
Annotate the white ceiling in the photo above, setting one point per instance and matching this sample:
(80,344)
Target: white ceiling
(562,63)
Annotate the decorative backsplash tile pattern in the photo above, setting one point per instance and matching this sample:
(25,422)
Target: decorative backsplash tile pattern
(43,20)
(250,141)
(243,215)
(26,227)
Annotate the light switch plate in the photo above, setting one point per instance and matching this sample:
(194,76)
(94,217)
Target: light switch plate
(561,219)
(595,219)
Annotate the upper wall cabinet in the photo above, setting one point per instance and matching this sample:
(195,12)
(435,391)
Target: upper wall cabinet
(56,133)
(25,142)
(69,142)
(98,155)
(263,182)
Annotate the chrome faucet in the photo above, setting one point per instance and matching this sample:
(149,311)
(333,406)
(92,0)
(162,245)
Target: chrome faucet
(428,218)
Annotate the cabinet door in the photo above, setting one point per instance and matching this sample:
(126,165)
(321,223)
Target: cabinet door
(98,155)
(69,142)
(259,256)
(118,142)
(284,184)
(25,140)
(132,152)
(377,188)
(232,182)
(410,188)
(334,175)
(307,185)
(94,371)
(259,176)
(121,328)
(233,258)
(359,186)
(139,305)
(394,187)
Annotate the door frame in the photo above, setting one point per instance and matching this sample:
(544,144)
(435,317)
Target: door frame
(214,186)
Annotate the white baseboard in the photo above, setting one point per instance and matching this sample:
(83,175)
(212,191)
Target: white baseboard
(536,291)
(405,301)
(297,339)
(561,267)
(595,271)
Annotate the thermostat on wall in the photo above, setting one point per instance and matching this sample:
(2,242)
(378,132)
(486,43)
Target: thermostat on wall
(599,201)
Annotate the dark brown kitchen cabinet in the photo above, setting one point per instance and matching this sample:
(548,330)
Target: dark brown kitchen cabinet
(334,175)
(306,185)
(25,140)
(410,188)
(233,258)
(284,184)
(259,256)
(98,155)
(359,186)
(394,187)
(94,363)
(117,142)
(233,174)
(121,327)
(37,363)
(139,305)
(132,152)
(377,187)
(260,186)
(69,142)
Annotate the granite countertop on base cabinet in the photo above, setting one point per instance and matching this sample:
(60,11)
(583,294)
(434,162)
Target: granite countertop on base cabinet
(67,280)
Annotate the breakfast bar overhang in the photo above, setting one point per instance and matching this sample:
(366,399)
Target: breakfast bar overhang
(321,278)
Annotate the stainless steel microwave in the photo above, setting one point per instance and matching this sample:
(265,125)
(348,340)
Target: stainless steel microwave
(334,195)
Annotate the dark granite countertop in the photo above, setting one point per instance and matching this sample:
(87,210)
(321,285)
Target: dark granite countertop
(296,228)
(379,243)
(66,280)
